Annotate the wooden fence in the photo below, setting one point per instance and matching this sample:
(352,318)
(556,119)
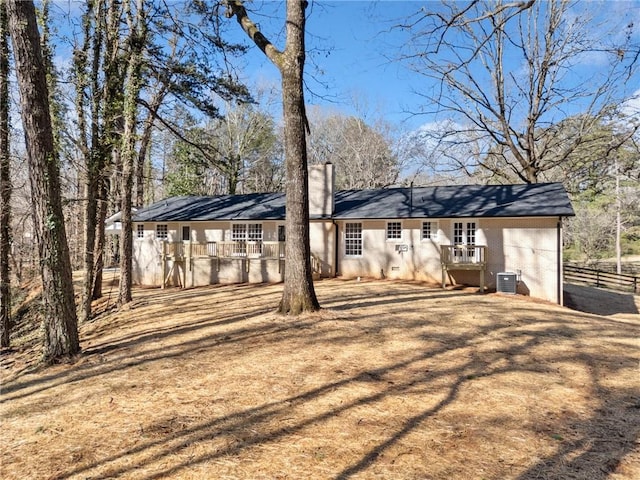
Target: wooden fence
(599,278)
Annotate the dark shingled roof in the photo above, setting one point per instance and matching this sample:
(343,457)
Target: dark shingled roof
(253,206)
(529,200)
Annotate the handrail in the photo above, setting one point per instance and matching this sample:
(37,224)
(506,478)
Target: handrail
(224,249)
(463,255)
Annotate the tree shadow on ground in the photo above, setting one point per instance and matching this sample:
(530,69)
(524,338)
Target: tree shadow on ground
(599,301)
(590,444)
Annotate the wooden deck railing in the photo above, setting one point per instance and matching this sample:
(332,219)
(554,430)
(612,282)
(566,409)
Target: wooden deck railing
(224,249)
(463,256)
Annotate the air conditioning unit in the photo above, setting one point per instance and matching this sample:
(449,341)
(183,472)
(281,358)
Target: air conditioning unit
(507,282)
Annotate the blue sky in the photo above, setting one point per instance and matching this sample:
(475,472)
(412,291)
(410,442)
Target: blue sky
(352,46)
(351,49)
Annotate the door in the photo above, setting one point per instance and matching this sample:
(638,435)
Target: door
(464,235)
(186,233)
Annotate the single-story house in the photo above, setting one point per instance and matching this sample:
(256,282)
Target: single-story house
(462,234)
(113,224)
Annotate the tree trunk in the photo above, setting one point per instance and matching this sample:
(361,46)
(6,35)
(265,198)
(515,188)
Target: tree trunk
(99,243)
(111,101)
(83,81)
(298,294)
(618,218)
(5,185)
(60,321)
(137,41)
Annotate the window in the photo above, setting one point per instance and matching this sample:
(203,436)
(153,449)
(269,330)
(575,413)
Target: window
(140,231)
(162,231)
(429,230)
(282,236)
(457,233)
(464,233)
(239,232)
(353,239)
(471,233)
(186,233)
(243,233)
(246,232)
(254,232)
(394,230)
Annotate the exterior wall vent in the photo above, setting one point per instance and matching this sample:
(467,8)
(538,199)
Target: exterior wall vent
(506,282)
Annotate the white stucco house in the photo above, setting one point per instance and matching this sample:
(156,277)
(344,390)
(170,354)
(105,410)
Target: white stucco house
(468,234)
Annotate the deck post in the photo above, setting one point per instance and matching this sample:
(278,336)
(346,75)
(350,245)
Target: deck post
(164,264)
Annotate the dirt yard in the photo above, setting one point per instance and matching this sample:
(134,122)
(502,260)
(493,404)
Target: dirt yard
(388,381)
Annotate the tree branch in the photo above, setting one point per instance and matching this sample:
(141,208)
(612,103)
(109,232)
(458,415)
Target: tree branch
(236,8)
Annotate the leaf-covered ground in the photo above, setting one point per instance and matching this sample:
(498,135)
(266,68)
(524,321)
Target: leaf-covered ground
(390,380)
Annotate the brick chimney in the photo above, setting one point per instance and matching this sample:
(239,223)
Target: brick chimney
(321,190)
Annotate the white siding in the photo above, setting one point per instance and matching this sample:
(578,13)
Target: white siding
(527,246)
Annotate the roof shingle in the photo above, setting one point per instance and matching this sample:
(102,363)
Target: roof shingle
(527,200)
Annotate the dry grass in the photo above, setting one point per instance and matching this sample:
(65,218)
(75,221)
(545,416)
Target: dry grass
(390,380)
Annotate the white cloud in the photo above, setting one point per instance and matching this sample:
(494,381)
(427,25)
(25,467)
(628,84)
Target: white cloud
(631,106)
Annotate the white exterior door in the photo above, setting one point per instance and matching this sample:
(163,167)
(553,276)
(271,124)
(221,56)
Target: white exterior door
(464,234)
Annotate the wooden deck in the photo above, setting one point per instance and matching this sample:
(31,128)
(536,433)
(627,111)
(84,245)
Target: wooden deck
(463,257)
(265,250)
(182,254)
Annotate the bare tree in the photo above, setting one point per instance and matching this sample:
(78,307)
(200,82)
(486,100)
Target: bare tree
(60,321)
(5,184)
(298,294)
(501,75)
(362,154)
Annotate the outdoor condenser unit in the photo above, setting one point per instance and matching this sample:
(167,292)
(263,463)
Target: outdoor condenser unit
(506,282)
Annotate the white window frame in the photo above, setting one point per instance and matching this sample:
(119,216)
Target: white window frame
(393,231)
(465,236)
(244,233)
(353,244)
(255,233)
(238,232)
(139,231)
(247,232)
(434,228)
(162,231)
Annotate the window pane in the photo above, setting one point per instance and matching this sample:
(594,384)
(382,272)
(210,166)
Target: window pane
(353,239)
(162,231)
(239,232)
(426,230)
(471,233)
(254,232)
(394,230)
(457,233)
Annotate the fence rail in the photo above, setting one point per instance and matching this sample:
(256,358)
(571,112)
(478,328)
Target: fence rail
(599,278)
